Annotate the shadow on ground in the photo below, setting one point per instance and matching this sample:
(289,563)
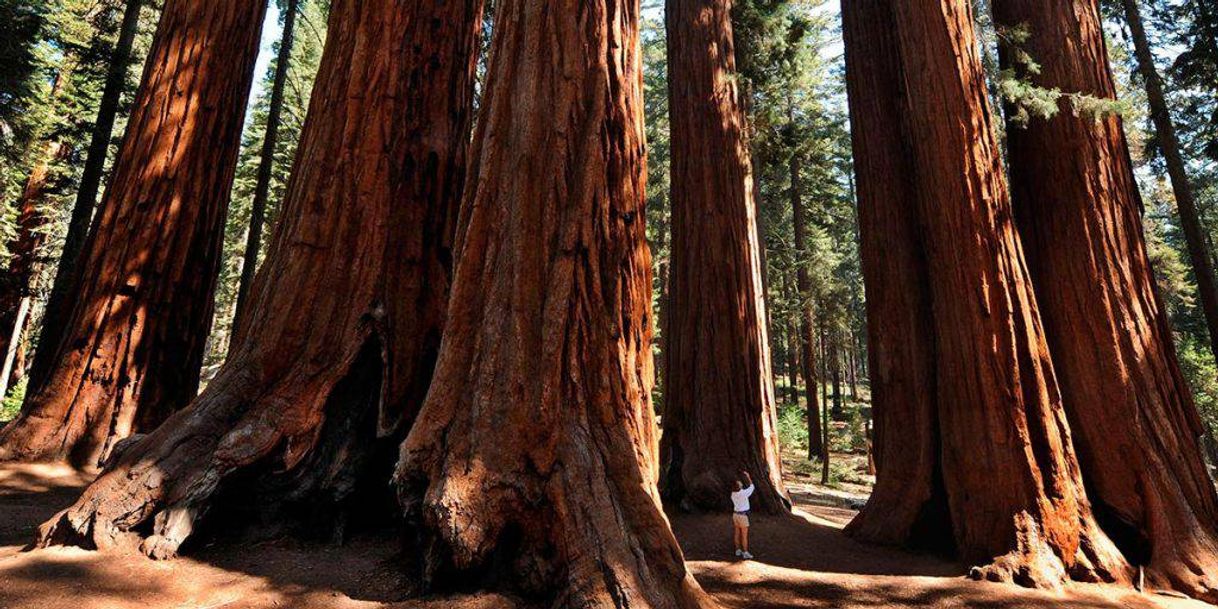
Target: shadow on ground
(803,560)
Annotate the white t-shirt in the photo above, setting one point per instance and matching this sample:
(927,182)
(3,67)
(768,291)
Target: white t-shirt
(740,499)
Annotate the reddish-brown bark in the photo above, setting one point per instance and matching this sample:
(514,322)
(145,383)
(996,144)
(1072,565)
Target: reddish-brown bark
(347,312)
(63,291)
(133,345)
(533,464)
(1012,484)
(719,414)
(1079,214)
(908,503)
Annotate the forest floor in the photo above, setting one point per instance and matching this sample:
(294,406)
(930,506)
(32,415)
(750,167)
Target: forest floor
(802,560)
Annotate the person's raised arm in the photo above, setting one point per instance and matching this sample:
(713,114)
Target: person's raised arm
(748,480)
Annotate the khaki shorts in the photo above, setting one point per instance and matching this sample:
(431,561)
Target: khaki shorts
(740,520)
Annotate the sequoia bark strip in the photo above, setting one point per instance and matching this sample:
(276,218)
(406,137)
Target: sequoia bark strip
(1004,452)
(1169,144)
(266,162)
(60,301)
(347,313)
(133,344)
(533,463)
(720,416)
(1079,213)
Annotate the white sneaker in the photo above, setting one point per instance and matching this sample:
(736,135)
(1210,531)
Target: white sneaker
(746,556)
(739,552)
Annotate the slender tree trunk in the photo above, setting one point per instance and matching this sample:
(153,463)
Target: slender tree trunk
(1169,144)
(534,460)
(826,446)
(133,345)
(63,289)
(835,374)
(1079,213)
(1012,485)
(266,162)
(294,416)
(807,321)
(793,362)
(720,416)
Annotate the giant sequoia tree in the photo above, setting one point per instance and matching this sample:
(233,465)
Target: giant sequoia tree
(993,443)
(133,344)
(347,312)
(719,412)
(1078,210)
(535,457)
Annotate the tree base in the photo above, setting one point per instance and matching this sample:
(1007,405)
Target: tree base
(228,457)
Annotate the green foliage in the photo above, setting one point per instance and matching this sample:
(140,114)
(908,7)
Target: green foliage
(1026,100)
(1197,364)
(10,406)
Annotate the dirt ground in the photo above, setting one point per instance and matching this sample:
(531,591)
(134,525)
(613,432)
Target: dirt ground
(802,561)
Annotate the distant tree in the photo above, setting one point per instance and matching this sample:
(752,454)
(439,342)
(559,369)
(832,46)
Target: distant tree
(262,187)
(1168,143)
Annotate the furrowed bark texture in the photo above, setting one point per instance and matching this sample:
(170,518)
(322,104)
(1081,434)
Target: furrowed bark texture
(346,314)
(60,301)
(533,464)
(133,344)
(1078,211)
(719,404)
(908,503)
(1013,488)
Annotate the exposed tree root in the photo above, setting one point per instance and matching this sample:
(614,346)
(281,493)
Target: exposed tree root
(281,449)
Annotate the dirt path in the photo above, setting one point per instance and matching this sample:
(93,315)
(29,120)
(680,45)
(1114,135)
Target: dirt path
(802,561)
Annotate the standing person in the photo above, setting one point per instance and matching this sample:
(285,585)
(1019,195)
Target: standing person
(740,519)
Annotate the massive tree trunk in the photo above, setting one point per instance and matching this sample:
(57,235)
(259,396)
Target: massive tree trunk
(133,343)
(1078,211)
(533,464)
(719,412)
(266,162)
(346,314)
(60,302)
(980,397)
(807,322)
(1169,144)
